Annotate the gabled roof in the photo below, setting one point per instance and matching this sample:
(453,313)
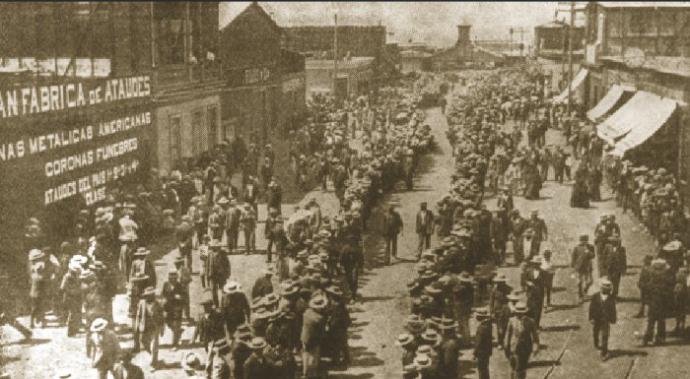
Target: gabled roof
(254,8)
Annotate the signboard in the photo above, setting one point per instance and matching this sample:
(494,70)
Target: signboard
(62,144)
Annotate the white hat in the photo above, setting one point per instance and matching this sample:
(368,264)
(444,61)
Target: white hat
(98,325)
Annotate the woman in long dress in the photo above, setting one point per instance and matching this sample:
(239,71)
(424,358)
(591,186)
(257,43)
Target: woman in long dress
(580,194)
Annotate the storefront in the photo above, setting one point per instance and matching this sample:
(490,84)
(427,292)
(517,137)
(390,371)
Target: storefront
(64,143)
(185,130)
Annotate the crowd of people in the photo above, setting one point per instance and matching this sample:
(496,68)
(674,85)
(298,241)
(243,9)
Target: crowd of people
(459,278)
(271,332)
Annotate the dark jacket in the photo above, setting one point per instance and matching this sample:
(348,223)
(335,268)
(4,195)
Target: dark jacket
(392,224)
(602,311)
(262,287)
(483,339)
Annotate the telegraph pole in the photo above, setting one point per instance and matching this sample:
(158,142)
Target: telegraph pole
(570,54)
(335,55)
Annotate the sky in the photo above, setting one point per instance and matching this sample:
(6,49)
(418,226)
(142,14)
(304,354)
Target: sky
(430,22)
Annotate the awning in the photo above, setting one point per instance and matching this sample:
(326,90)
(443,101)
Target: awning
(574,85)
(608,103)
(639,112)
(648,122)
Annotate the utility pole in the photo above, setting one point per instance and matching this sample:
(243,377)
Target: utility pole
(570,54)
(335,56)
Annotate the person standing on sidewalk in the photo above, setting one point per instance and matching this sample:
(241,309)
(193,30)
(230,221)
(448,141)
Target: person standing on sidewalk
(424,228)
(602,314)
(392,226)
(581,262)
(148,324)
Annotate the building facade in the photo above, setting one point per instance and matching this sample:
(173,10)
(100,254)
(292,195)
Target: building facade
(355,77)
(464,54)
(643,46)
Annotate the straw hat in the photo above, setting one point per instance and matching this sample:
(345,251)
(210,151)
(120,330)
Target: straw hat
(257,343)
(98,325)
(35,254)
(191,362)
(318,303)
(404,339)
(232,287)
(142,252)
(520,308)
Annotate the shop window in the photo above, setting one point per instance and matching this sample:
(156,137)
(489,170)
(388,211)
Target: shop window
(175,124)
(212,115)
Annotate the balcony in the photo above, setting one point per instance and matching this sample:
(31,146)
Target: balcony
(178,78)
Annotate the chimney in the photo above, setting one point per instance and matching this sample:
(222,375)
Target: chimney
(463,35)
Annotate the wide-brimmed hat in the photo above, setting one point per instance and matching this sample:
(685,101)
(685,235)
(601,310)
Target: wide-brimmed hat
(605,283)
(141,251)
(232,287)
(430,335)
(422,361)
(536,260)
(191,362)
(223,201)
(520,308)
(445,323)
(431,290)
(334,290)
(672,246)
(318,303)
(405,339)
(35,254)
(465,277)
(257,343)
(482,313)
(659,263)
(514,295)
(98,325)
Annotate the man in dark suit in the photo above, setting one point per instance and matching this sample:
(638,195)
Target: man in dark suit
(483,343)
(424,228)
(602,313)
(217,270)
(521,341)
(392,226)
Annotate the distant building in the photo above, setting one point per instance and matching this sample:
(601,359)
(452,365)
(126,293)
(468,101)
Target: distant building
(354,77)
(551,49)
(465,54)
(266,83)
(414,61)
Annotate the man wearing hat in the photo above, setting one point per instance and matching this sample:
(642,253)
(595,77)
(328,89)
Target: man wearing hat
(499,309)
(602,314)
(338,323)
(581,262)
(660,286)
(39,272)
(142,265)
(424,226)
(232,224)
(125,369)
(535,287)
(449,350)
(463,300)
(148,324)
(263,285)
(520,341)
(392,226)
(313,329)
(257,366)
(217,269)
(103,347)
(70,288)
(269,227)
(173,302)
(615,262)
(128,238)
(234,306)
(483,342)
(274,196)
(218,364)
(541,233)
(210,325)
(409,346)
